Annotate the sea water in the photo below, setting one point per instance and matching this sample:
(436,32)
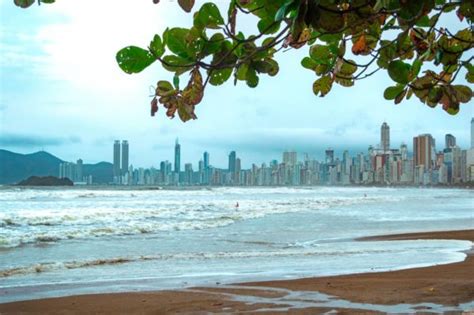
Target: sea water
(56,242)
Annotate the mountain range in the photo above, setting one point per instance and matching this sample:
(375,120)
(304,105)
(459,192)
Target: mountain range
(15,167)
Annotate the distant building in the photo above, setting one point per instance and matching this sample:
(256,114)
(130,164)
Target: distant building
(423,148)
(177,157)
(290,158)
(450,141)
(206,160)
(232,159)
(329,156)
(385,137)
(116,153)
(125,154)
(79,171)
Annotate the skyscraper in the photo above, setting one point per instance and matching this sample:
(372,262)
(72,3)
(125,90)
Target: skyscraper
(124,157)
(206,160)
(79,170)
(116,167)
(423,147)
(177,157)
(329,156)
(450,141)
(385,137)
(290,158)
(232,158)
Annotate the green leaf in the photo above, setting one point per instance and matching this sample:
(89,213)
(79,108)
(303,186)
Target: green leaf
(320,54)
(164,88)
(415,68)
(176,41)
(24,3)
(241,72)
(252,78)
(176,81)
(209,16)
(392,92)
(463,93)
(283,10)
(218,77)
(268,26)
(309,63)
(177,64)
(186,5)
(134,59)
(399,71)
(157,47)
(323,85)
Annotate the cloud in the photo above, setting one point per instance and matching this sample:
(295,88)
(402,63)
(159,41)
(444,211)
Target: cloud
(17,140)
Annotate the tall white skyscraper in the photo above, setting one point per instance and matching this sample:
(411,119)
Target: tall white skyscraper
(385,137)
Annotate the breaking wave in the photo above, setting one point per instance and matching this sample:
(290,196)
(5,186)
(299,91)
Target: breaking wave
(125,215)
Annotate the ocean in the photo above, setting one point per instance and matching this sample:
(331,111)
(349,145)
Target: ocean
(56,242)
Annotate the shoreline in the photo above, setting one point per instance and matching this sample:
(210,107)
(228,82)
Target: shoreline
(441,286)
(464,186)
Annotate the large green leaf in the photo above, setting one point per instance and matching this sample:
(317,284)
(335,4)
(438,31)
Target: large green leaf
(134,59)
(399,71)
(208,16)
(176,41)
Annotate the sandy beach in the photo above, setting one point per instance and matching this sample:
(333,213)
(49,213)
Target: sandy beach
(443,285)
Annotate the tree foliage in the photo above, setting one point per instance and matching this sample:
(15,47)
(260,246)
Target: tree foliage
(348,40)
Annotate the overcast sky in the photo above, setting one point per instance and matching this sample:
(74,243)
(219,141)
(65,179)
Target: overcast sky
(62,91)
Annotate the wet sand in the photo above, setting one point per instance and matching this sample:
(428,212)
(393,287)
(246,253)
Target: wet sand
(447,285)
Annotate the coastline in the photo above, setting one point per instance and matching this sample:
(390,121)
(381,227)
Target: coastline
(440,285)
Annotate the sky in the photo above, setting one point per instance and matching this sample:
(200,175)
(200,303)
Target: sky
(61,91)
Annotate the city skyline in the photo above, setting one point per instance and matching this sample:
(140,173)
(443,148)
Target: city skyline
(291,156)
(425,164)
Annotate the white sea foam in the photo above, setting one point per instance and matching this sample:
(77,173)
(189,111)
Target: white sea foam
(77,214)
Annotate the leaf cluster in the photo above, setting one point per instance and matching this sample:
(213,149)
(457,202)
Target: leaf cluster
(347,40)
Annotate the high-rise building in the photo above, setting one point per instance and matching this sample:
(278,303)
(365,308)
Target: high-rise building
(385,137)
(232,158)
(329,156)
(206,160)
(404,151)
(290,158)
(116,167)
(450,141)
(125,154)
(423,147)
(79,170)
(177,157)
